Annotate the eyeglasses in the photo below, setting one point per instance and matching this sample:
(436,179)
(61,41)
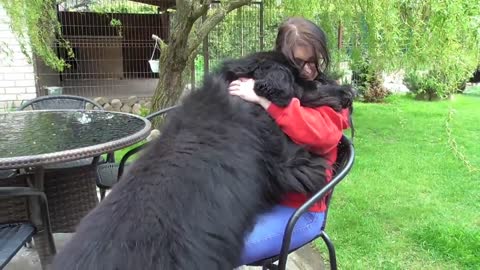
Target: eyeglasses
(301,63)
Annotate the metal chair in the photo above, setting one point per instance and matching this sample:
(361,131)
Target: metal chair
(109,173)
(17,227)
(345,160)
(60,102)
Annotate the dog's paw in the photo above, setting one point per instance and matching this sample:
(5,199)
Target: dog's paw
(347,95)
(279,95)
(305,171)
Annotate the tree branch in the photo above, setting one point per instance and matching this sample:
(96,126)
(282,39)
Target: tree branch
(182,3)
(183,7)
(200,10)
(161,43)
(211,21)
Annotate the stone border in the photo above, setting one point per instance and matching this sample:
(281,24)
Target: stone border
(132,104)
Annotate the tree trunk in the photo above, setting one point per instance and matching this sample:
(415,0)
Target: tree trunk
(169,86)
(173,61)
(182,47)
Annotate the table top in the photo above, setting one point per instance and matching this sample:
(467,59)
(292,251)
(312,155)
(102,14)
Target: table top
(32,138)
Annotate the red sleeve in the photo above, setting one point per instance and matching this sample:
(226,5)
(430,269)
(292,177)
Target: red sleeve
(319,128)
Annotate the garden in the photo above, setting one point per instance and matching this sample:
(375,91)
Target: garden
(411,200)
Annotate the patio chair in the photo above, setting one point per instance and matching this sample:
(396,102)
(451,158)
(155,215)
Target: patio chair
(109,173)
(73,180)
(17,227)
(345,160)
(60,102)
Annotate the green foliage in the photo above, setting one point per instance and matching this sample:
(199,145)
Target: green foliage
(109,6)
(441,36)
(144,111)
(450,51)
(199,68)
(5,52)
(435,84)
(368,82)
(334,73)
(237,35)
(36,26)
(427,85)
(117,24)
(37,29)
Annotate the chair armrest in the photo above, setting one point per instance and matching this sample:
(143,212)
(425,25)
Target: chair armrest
(21,191)
(160,112)
(31,192)
(309,203)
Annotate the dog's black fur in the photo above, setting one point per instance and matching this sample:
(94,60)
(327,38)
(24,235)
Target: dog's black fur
(278,80)
(194,193)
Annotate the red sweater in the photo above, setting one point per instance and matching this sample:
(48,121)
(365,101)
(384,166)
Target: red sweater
(320,128)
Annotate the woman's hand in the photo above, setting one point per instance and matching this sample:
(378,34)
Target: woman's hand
(243,88)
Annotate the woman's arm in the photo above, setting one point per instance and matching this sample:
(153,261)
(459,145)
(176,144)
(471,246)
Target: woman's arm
(319,128)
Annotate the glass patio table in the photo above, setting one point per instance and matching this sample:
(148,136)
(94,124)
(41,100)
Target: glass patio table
(32,140)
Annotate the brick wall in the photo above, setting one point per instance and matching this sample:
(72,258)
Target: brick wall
(17,77)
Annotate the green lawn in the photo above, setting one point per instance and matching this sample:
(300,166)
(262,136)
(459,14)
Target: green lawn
(120,153)
(412,200)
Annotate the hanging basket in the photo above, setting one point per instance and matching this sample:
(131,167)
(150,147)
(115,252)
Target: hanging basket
(154,63)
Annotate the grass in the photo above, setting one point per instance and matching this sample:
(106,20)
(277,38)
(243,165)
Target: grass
(412,200)
(120,153)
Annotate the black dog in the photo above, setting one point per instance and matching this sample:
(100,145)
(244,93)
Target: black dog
(191,197)
(278,81)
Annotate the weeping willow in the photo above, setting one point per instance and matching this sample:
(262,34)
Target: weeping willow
(395,33)
(35,24)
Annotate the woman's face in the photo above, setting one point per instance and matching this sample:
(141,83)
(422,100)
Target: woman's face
(305,58)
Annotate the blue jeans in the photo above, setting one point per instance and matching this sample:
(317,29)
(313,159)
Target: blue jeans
(266,238)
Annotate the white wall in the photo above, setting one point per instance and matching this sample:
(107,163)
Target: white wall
(17,77)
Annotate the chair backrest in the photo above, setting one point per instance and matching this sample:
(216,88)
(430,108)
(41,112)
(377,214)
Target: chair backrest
(343,164)
(60,102)
(345,159)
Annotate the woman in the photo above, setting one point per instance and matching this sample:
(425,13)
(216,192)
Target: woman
(320,128)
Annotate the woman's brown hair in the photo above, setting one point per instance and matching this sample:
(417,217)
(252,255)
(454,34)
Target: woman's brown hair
(297,32)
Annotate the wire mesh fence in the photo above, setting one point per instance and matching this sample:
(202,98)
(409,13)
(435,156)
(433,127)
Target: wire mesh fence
(112,45)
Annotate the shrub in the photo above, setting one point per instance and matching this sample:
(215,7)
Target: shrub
(368,82)
(436,84)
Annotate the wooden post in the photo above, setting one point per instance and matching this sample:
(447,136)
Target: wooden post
(340,35)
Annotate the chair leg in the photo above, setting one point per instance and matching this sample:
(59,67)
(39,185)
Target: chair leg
(102,194)
(29,243)
(331,251)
